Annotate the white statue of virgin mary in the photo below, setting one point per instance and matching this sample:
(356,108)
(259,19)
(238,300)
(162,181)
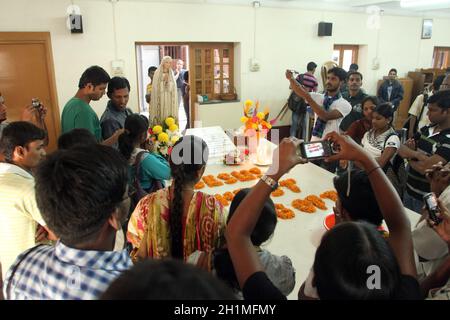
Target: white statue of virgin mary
(164,100)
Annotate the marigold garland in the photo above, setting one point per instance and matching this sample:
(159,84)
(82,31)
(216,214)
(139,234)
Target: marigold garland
(199,185)
(283,212)
(331,194)
(224,176)
(231,180)
(221,199)
(316,201)
(287,182)
(303,205)
(211,181)
(277,193)
(255,171)
(228,195)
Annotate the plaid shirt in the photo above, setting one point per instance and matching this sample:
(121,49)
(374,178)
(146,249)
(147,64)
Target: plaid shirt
(63,273)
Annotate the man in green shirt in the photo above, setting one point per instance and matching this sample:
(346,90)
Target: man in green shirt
(78,113)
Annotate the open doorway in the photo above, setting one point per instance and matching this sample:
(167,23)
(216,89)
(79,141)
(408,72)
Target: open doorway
(345,55)
(150,55)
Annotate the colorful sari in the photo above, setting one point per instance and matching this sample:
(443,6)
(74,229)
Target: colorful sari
(149,229)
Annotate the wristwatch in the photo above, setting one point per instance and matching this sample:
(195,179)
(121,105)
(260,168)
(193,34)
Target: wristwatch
(270,182)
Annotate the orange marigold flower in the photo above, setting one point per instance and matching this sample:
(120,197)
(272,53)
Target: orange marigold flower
(277,193)
(303,205)
(228,195)
(317,202)
(331,194)
(199,185)
(231,180)
(255,170)
(224,176)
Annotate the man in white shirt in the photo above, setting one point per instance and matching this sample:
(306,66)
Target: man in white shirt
(22,145)
(329,108)
(419,108)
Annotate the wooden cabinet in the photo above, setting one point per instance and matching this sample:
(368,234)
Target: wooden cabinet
(423,78)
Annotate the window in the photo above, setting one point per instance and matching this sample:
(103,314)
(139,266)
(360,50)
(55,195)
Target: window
(441,57)
(345,55)
(212,70)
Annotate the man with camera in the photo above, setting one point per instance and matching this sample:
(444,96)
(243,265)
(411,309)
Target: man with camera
(329,108)
(34,113)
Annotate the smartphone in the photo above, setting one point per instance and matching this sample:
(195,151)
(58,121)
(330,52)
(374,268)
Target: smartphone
(316,150)
(432,207)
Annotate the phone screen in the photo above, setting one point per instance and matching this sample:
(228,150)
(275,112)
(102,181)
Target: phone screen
(431,202)
(314,150)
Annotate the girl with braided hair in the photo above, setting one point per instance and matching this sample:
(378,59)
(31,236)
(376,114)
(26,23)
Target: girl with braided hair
(177,221)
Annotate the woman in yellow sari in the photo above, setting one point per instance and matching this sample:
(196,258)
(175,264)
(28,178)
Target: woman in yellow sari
(177,221)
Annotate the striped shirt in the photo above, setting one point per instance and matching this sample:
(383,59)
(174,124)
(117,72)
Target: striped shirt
(308,81)
(429,143)
(18,213)
(64,273)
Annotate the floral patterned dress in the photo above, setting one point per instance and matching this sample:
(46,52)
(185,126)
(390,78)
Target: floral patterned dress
(149,229)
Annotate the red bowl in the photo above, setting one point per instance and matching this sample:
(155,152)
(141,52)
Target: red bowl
(329,222)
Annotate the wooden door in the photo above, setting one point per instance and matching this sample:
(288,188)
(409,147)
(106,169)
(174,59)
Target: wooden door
(344,55)
(26,72)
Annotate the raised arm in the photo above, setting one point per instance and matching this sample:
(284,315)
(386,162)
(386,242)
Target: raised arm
(241,225)
(388,200)
(301,92)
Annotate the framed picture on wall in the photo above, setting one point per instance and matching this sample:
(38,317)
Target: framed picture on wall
(427,28)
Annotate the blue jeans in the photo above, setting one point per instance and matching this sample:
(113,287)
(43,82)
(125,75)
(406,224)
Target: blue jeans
(298,119)
(412,203)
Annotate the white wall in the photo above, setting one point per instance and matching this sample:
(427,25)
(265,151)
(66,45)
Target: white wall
(286,38)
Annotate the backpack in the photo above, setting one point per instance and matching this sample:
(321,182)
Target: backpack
(395,170)
(416,125)
(296,104)
(135,190)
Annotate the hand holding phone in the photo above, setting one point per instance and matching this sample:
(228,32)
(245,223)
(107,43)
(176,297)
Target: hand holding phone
(316,150)
(432,207)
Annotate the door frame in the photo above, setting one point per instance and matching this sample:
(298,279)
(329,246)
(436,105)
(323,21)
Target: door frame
(45,39)
(192,109)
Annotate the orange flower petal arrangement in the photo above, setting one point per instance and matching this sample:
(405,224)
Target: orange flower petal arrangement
(304,206)
(211,181)
(221,199)
(291,184)
(331,194)
(277,193)
(229,196)
(317,202)
(224,176)
(243,175)
(283,212)
(199,185)
(256,171)
(231,180)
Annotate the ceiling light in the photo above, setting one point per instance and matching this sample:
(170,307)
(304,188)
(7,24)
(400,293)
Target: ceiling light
(421,3)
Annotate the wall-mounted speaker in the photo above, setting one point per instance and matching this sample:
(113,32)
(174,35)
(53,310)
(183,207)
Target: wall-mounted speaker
(325,29)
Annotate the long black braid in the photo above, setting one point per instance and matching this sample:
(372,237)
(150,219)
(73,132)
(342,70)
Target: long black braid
(184,167)
(176,211)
